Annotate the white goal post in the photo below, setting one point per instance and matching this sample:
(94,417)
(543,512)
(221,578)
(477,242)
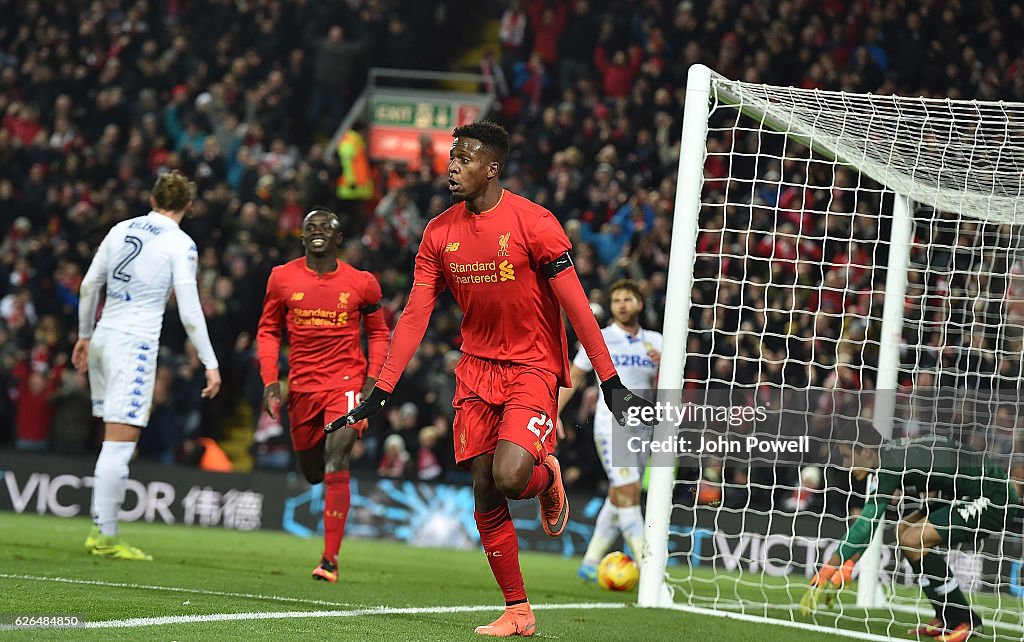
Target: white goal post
(814,231)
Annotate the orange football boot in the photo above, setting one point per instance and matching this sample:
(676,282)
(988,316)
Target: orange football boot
(516,620)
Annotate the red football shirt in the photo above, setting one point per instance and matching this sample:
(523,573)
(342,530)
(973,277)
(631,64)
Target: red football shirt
(490,261)
(321,314)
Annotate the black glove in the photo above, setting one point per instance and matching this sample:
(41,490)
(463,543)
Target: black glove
(624,404)
(369,406)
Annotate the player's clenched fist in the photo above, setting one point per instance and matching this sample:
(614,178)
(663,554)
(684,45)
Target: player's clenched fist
(369,406)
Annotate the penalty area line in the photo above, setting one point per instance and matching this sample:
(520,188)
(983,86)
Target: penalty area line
(283,615)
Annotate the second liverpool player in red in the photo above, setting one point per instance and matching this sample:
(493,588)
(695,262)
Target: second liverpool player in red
(506,261)
(320,301)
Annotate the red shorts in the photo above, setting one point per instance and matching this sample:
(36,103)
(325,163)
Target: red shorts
(503,401)
(309,412)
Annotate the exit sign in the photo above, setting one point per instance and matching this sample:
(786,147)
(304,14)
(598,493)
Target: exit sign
(411,113)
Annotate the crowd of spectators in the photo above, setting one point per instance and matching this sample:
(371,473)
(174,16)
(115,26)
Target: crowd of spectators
(97,98)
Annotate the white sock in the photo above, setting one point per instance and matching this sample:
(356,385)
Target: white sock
(631,521)
(605,533)
(110,478)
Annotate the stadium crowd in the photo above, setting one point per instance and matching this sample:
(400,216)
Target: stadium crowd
(97,98)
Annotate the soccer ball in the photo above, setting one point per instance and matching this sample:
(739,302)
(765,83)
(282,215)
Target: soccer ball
(618,572)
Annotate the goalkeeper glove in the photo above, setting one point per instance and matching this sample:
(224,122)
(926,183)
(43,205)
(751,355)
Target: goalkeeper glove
(820,590)
(369,406)
(843,575)
(626,406)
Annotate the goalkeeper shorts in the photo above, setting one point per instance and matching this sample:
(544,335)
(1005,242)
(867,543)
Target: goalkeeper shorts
(971,520)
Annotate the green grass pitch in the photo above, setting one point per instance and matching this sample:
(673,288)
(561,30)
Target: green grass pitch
(244,576)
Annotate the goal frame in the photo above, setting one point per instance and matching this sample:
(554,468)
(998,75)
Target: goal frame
(654,591)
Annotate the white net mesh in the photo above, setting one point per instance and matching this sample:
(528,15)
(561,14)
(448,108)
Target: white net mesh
(957,156)
(796,212)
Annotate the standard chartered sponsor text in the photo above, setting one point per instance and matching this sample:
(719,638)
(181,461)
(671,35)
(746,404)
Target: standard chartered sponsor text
(319,316)
(479,266)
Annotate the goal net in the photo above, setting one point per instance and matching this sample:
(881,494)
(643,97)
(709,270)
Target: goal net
(837,259)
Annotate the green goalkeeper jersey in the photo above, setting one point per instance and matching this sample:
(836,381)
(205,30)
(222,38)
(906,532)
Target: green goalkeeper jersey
(932,467)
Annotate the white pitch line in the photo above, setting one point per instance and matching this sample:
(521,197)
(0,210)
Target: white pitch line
(230,617)
(173,589)
(139,622)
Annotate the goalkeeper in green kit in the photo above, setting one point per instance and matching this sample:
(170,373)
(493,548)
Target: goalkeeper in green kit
(968,499)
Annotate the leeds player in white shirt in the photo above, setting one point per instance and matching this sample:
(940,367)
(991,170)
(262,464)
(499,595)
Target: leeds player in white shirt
(139,261)
(636,353)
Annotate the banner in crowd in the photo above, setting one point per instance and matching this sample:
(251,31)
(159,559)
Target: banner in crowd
(418,513)
(58,485)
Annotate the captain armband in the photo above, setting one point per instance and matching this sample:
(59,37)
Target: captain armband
(556,267)
(369,308)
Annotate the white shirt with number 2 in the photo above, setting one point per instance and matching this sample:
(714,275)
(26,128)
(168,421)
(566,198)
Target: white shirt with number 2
(139,262)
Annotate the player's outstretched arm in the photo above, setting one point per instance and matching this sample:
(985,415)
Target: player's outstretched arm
(376,329)
(428,283)
(569,292)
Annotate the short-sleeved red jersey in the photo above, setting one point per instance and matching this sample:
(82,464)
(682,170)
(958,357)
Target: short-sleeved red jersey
(322,316)
(491,263)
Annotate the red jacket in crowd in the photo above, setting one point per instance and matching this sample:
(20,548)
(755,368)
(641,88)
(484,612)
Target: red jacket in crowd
(618,78)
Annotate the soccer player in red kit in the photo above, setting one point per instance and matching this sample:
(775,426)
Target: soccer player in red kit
(320,301)
(506,261)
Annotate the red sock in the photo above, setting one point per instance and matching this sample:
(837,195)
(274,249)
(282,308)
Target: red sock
(501,545)
(539,482)
(336,502)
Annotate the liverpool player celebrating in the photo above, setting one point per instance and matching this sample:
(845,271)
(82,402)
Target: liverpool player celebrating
(969,498)
(506,262)
(321,301)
